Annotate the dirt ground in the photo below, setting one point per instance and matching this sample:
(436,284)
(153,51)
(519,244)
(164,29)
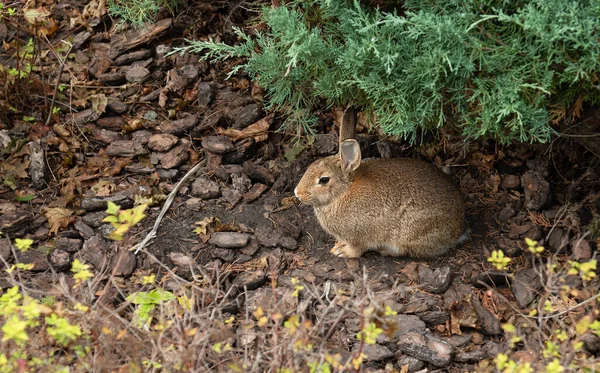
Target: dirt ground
(136,121)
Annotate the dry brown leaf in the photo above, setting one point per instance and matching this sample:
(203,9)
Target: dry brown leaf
(258,130)
(58,218)
(104,188)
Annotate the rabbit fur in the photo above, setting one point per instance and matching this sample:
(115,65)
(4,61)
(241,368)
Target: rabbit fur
(398,207)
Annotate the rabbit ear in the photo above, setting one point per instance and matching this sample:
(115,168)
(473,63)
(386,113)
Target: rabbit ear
(348,126)
(350,155)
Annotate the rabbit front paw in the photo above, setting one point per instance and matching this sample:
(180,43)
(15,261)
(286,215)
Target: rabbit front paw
(345,250)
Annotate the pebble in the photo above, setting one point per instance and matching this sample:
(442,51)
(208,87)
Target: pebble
(229,240)
(37,258)
(60,260)
(205,188)
(71,245)
(217,144)
(258,173)
(434,281)
(250,280)
(162,142)
(536,189)
(426,348)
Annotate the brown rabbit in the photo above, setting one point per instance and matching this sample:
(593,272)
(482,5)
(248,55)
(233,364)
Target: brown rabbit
(400,206)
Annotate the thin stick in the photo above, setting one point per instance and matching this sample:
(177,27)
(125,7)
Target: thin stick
(166,206)
(60,71)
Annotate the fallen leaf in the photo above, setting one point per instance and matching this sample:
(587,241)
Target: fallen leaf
(104,188)
(37,15)
(258,130)
(58,217)
(292,151)
(99,102)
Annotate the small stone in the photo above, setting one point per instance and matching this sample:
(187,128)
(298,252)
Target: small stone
(241,183)
(581,249)
(244,150)
(37,258)
(205,188)
(93,252)
(471,354)
(113,78)
(71,245)
(101,203)
(401,324)
(245,337)
(517,231)
(288,243)
(511,181)
(105,136)
(411,364)
(205,95)
(5,252)
(125,148)
(525,286)
(426,348)
(223,254)
(94,219)
(250,280)
(188,71)
(488,323)
(128,58)
(558,239)
(141,136)
(117,105)
(179,126)
(232,196)
(217,144)
(124,264)
(176,156)
(256,191)
(162,142)
(181,260)
(137,74)
(459,340)
(433,318)
(84,116)
(60,260)
(81,38)
(536,189)
(267,237)
(84,230)
(374,352)
(258,173)
(251,248)
(506,213)
(229,240)
(244,116)
(434,281)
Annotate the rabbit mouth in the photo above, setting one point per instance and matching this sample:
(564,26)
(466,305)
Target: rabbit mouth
(305,198)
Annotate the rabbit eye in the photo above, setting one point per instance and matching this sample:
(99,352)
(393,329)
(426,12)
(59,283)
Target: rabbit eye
(323,180)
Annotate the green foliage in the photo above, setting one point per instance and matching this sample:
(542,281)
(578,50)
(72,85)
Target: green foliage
(123,220)
(498,260)
(60,329)
(138,12)
(21,325)
(82,272)
(146,302)
(492,68)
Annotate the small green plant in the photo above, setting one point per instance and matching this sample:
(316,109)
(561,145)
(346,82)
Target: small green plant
(81,272)
(123,220)
(498,260)
(146,302)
